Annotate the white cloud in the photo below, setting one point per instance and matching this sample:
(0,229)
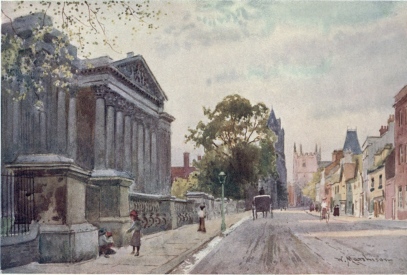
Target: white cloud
(323,66)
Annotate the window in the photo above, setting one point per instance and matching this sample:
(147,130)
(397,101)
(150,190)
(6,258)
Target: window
(380,181)
(405,195)
(303,164)
(400,154)
(400,198)
(405,150)
(405,117)
(400,118)
(372,185)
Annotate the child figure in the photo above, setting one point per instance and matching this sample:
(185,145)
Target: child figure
(201,215)
(136,226)
(105,243)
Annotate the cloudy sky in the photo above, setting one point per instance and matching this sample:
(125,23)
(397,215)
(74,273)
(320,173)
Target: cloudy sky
(323,67)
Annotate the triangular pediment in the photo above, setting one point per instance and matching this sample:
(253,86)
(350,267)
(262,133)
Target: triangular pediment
(136,70)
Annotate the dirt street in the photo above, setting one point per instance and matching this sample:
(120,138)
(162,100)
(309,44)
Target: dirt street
(296,242)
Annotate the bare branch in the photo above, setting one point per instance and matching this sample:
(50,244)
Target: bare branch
(89,16)
(11,21)
(45,13)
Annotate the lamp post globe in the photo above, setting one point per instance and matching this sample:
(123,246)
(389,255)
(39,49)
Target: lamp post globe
(222,179)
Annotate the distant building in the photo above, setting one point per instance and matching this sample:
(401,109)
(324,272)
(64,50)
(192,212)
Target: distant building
(372,149)
(351,142)
(304,167)
(184,171)
(400,144)
(330,176)
(277,187)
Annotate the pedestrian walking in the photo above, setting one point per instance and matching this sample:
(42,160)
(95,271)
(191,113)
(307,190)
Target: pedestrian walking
(202,216)
(136,226)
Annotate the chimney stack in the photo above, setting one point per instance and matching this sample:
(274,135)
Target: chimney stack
(391,119)
(383,130)
(186,159)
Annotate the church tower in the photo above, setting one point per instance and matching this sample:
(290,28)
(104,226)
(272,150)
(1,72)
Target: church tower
(277,187)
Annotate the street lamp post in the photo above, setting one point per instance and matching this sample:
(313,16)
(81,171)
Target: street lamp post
(222,178)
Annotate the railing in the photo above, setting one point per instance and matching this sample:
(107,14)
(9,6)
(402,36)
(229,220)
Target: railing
(17,202)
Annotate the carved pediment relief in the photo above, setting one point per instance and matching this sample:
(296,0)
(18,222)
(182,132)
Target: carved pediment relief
(137,71)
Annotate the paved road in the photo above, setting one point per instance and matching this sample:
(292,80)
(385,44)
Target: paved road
(296,242)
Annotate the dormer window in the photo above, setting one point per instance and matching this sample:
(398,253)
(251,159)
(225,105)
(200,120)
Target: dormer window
(380,181)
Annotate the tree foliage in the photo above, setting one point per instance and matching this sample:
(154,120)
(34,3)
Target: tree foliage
(39,50)
(236,140)
(180,186)
(309,189)
(28,63)
(79,20)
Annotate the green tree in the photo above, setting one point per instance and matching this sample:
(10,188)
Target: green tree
(309,189)
(180,186)
(233,140)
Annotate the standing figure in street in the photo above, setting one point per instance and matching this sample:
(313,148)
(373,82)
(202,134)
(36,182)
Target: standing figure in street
(324,207)
(253,208)
(136,226)
(202,216)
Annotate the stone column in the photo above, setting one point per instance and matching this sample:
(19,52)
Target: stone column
(147,160)
(134,155)
(15,124)
(100,131)
(110,123)
(43,132)
(119,135)
(154,165)
(127,144)
(72,125)
(140,157)
(61,122)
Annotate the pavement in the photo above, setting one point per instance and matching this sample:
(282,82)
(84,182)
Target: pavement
(159,253)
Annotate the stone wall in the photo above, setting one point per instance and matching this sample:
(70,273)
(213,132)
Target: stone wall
(213,206)
(20,250)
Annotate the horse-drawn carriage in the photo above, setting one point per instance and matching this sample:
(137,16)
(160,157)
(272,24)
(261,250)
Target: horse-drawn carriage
(261,203)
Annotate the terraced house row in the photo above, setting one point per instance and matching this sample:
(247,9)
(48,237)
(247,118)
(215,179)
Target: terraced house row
(371,180)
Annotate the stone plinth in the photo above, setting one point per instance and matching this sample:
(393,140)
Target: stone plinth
(59,193)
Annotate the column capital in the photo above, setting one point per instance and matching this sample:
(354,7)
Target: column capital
(120,104)
(100,90)
(73,90)
(111,98)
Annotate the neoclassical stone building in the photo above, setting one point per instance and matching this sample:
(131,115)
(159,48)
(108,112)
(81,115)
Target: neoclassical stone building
(88,148)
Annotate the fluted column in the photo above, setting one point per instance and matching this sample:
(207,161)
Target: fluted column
(127,143)
(140,157)
(72,146)
(110,126)
(147,160)
(134,154)
(61,122)
(154,166)
(119,135)
(100,130)
(15,124)
(43,132)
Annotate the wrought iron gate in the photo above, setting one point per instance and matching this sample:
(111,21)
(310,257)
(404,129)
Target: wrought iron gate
(17,202)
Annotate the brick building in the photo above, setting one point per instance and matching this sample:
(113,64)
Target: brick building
(400,145)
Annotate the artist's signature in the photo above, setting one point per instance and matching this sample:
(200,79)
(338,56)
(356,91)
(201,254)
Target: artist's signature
(362,260)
